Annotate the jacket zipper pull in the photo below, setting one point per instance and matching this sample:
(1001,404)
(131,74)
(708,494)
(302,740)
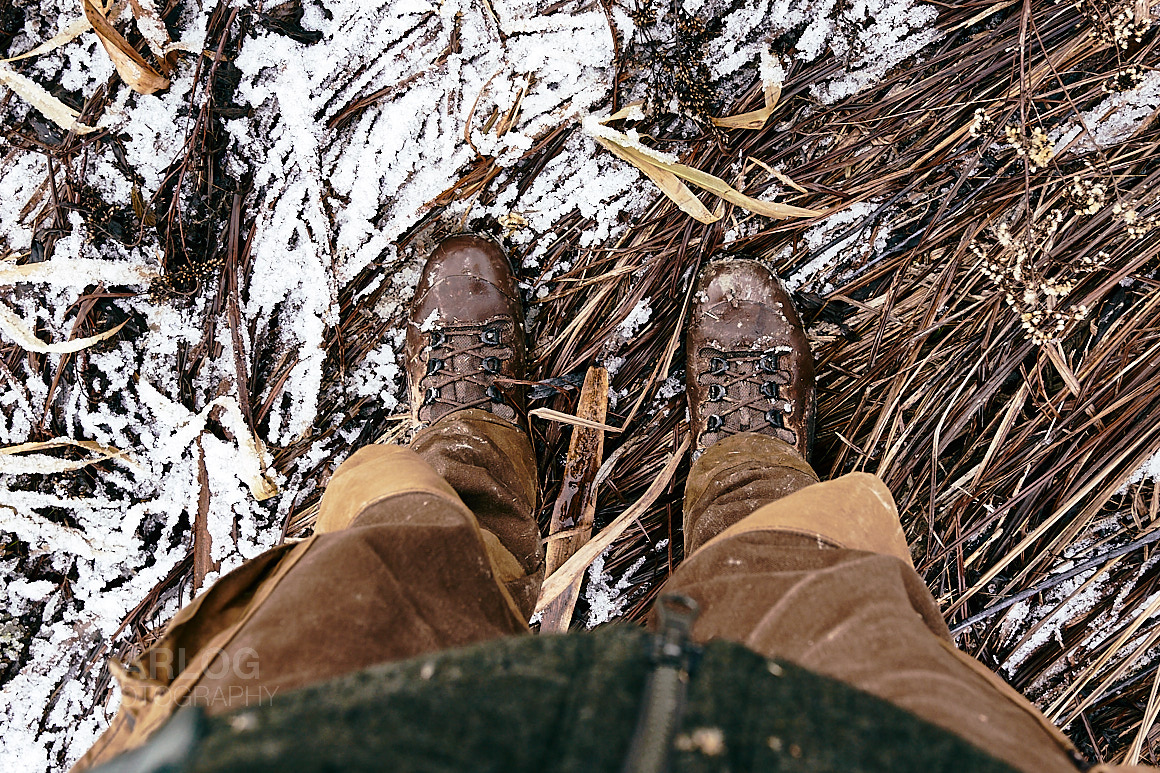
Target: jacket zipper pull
(674,657)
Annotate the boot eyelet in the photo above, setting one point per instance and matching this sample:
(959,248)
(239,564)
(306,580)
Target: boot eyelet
(718,366)
(769,389)
(769,363)
(438,338)
(431,395)
(490,336)
(495,395)
(713,423)
(716,392)
(774,417)
(434,365)
(491,365)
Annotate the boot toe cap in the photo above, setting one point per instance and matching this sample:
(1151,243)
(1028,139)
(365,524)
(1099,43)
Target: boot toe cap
(473,257)
(740,281)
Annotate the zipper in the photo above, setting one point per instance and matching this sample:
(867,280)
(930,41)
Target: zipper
(674,657)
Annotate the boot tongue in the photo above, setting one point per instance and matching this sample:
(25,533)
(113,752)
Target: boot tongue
(461,378)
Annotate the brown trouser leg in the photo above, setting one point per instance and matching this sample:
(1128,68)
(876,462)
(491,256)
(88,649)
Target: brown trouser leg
(431,530)
(819,574)
(415,550)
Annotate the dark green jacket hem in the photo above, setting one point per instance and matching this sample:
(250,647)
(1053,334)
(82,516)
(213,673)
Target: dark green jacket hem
(570,703)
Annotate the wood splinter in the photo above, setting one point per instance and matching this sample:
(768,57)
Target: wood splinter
(575,509)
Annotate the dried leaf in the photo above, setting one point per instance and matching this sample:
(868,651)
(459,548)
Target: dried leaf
(20,332)
(48,105)
(10,464)
(575,508)
(771,78)
(632,111)
(754,119)
(152,27)
(778,175)
(574,511)
(73,29)
(252,451)
(626,148)
(131,66)
(669,184)
(719,187)
(1055,354)
(141,208)
(575,566)
(567,418)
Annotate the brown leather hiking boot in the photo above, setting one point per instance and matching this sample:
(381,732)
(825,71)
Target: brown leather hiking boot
(465,330)
(749,367)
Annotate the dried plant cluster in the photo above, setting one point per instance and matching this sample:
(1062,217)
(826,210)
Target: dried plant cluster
(1035,273)
(668,47)
(1021,257)
(1124,79)
(1011,263)
(1118,23)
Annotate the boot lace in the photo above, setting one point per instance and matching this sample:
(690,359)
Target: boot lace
(463,362)
(743,393)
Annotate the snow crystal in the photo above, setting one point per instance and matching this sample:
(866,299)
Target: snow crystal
(673,386)
(827,257)
(636,319)
(594,126)
(427,325)
(771,71)
(33,591)
(1115,119)
(888,33)
(1148,470)
(870,36)
(1025,610)
(613,365)
(378,375)
(607,597)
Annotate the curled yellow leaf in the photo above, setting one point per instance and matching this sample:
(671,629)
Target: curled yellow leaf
(754,119)
(668,182)
(131,66)
(73,29)
(662,171)
(20,331)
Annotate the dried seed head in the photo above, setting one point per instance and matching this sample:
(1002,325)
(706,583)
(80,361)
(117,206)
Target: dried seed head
(982,123)
(1124,79)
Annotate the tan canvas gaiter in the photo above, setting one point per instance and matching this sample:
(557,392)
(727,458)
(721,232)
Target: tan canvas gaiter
(819,574)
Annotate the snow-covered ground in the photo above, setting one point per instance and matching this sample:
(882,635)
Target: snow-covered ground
(329,203)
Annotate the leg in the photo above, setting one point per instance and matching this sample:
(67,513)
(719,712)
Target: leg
(816,573)
(402,565)
(821,578)
(414,550)
(442,548)
(490,464)
(734,477)
(398,566)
